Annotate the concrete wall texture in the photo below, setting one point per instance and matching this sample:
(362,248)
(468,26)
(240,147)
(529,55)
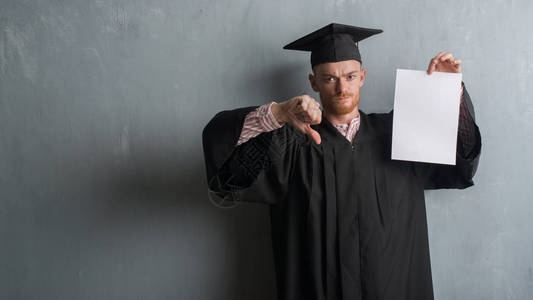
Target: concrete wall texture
(102,103)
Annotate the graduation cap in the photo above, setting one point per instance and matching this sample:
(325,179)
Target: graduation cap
(332,43)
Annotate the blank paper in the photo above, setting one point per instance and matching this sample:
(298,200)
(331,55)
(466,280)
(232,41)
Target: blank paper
(426,116)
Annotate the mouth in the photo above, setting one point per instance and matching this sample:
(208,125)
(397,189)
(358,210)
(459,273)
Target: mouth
(341,99)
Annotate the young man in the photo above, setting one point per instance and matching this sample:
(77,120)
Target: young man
(347,221)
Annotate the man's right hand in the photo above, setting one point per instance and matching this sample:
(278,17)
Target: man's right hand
(300,112)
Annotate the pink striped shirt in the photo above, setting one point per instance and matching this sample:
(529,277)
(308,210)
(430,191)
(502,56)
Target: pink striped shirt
(258,121)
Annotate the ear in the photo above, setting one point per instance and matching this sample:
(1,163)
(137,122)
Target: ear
(312,81)
(363,75)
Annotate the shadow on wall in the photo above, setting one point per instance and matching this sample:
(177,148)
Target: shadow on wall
(153,204)
(161,188)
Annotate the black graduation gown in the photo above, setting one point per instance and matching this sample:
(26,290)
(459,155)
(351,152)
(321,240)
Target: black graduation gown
(347,221)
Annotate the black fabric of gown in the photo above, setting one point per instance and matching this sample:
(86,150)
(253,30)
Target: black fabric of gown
(347,221)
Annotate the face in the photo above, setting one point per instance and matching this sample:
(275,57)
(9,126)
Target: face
(338,84)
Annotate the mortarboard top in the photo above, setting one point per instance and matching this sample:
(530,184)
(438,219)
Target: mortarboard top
(332,43)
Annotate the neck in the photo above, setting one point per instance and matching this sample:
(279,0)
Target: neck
(342,119)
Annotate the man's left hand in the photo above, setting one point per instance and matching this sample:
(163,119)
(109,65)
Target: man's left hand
(444,62)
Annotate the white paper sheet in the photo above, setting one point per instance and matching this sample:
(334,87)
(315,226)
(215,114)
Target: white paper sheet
(426,116)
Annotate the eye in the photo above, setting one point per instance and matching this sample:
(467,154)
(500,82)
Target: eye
(330,79)
(351,77)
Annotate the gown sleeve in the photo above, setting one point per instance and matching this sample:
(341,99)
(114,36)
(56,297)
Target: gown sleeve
(255,171)
(436,176)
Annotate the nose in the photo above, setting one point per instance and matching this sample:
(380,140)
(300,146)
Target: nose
(341,86)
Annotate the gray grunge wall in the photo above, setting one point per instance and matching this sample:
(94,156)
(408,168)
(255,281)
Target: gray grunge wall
(102,104)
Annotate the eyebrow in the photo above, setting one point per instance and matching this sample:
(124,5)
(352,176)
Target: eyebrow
(331,75)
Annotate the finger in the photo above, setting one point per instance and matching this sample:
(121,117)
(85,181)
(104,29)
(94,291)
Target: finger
(446,60)
(433,64)
(316,117)
(309,104)
(310,108)
(299,100)
(314,134)
(316,104)
(438,56)
(303,117)
(299,110)
(304,104)
(445,57)
(432,67)
(310,117)
(457,65)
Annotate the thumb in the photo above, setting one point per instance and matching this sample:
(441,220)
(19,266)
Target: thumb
(313,133)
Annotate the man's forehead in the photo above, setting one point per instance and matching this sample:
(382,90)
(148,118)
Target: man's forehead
(339,67)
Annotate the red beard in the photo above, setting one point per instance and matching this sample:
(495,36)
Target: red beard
(342,107)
